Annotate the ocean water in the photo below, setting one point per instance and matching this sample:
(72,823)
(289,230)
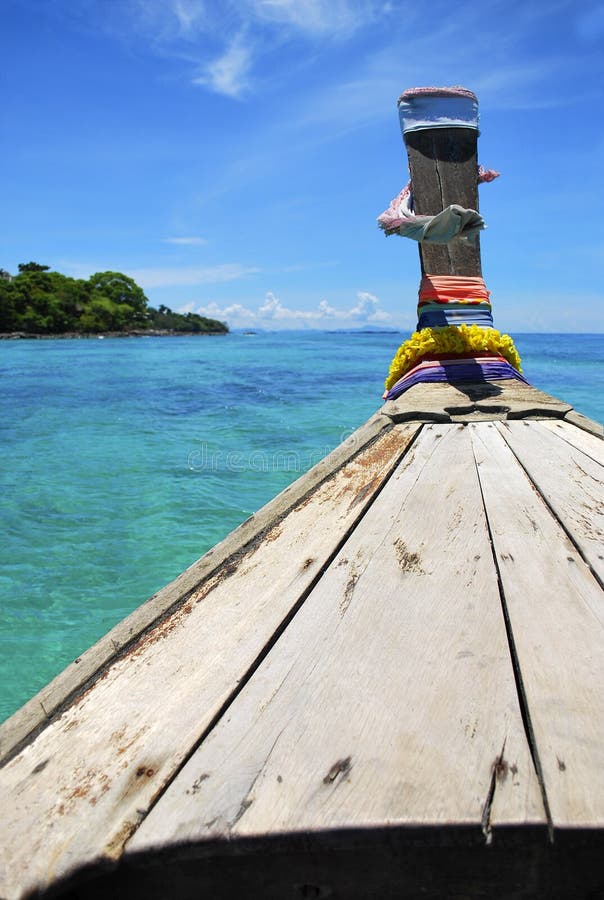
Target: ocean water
(125,459)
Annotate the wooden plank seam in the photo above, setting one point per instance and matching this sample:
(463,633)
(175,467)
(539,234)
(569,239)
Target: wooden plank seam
(284,624)
(522,697)
(553,602)
(585,441)
(565,528)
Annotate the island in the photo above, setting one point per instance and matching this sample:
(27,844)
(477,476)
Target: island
(39,302)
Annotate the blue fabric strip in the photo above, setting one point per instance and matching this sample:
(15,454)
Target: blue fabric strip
(440,318)
(454,305)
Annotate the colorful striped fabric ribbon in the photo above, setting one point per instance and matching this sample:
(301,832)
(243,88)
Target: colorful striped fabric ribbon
(454,371)
(451,300)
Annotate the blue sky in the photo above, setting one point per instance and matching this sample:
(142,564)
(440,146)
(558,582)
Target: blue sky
(233,156)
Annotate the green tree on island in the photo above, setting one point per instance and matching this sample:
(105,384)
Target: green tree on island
(116,302)
(41,301)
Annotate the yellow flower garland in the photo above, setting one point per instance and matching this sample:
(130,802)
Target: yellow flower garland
(450,339)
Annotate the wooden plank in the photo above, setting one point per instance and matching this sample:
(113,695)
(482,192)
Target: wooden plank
(571,482)
(37,712)
(556,612)
(441,402)
(585,424)
(589,443)
(443,172)
(390,699)
(74,794)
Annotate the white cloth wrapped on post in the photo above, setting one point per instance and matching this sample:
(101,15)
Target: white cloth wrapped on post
(453,222)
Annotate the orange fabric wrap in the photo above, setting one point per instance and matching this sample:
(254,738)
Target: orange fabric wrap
(452,287)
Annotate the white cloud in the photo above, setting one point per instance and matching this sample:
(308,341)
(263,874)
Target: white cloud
(229,73)
(272,308)
(327,311)
(365,311)
(233,312)
(186,241)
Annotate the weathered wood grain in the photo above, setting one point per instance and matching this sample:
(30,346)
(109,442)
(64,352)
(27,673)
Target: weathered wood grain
(75,793)
(589,443)
(585,424)
(571,483)
(78,675)
(389,700)
(556,612)
(443,172)
(441,402)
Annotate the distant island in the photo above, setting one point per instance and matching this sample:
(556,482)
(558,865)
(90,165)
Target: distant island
(39,302)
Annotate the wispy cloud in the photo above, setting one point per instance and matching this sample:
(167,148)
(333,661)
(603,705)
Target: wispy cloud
(228,47)
(166,276)
(228,42)
(229,73)
(185,241)
(166,21)
(517,86)
(190,14)
(172,276)
(169,19)
(331,18)
(365,311)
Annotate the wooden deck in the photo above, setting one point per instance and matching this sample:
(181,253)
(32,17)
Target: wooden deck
(387,683)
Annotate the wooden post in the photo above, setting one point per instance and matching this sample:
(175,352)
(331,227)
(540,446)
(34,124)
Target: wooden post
(444,169)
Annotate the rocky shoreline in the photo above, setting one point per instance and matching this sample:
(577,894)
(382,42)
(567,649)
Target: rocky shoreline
(76,335)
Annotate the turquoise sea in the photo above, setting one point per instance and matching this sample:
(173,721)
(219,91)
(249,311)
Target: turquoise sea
(125,459)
